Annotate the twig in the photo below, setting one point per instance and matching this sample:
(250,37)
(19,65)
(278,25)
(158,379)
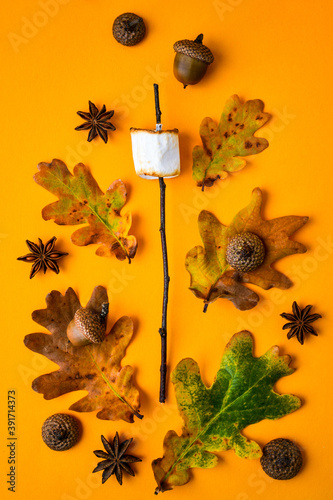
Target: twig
(158,112)
(166,278)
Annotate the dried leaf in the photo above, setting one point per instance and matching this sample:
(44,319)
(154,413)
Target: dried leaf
(212,277)
(95,368)
(213,417)
(81,201)
(223,143)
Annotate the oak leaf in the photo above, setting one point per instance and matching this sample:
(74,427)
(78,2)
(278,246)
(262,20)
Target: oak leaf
(224,143)
(212,277)
(81,201)
(95,368)
(213,417)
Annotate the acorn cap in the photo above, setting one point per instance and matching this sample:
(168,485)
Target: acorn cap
(91,324)
(128,29)
(194,49)
(61,431)
(281,459)
(245,252)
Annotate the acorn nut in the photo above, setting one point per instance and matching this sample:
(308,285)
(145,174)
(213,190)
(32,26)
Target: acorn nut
(87,326)
(128,29)
(191,61)
(61,431)
(245,252)
(281,459)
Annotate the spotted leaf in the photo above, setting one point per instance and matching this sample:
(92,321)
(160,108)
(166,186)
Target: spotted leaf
(224,143)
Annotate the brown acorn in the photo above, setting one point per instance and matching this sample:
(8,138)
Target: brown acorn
(128,29)
(61,431)
(245,252)
(191,61)
(87,326)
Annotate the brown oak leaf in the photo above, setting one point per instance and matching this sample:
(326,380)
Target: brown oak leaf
(95,368)
(213,278)
(82,201)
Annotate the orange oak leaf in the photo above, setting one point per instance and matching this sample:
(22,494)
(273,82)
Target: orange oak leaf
(225,142)
(211,275)
(95,368)
(81,201)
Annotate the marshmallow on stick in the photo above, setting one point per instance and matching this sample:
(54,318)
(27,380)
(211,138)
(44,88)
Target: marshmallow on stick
(155,153)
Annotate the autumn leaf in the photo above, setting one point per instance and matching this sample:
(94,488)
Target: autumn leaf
(213,417)
(213,278)
(95,368)
(223,143)
(81,201)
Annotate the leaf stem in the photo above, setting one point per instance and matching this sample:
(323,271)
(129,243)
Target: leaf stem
(135,412)
(207,303)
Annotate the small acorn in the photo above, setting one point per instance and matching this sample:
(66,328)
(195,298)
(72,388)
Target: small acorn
(245,252)
(191,61)
(128,29)
(61,431)
(281,459)
(87,326)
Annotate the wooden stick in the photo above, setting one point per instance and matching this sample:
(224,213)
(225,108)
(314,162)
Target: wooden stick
(166,278)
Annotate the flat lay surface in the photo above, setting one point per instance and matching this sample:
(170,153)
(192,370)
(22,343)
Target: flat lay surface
(57,55)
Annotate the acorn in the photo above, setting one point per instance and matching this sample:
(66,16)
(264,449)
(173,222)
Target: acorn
(61,432)
(245,252)
(128,29)
(191,61)
(281,459)
(87,326)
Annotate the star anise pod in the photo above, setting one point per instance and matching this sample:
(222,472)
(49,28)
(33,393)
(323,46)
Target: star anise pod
(42,256)
(115,459)
(300,322)
(97,122)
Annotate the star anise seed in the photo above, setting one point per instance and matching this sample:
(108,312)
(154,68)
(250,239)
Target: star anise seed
(115,461)
(299,322)
(97,122)
(42,256)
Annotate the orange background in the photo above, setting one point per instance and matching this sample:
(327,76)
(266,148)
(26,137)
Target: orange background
(52,64)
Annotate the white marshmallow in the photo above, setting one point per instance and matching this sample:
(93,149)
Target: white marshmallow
(155,153)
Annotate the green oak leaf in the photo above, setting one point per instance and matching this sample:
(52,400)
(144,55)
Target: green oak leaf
(223,143)
(213,417)
(213,278)
(81,201)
